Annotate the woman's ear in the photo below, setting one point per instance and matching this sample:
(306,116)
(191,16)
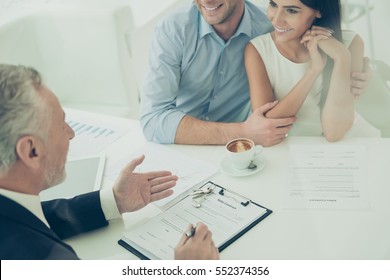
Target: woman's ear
(28,150)
(318,15)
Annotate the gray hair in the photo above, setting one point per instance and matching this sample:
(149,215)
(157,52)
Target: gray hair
(21,110)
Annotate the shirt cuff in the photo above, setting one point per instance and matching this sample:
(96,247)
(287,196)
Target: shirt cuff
(108,203)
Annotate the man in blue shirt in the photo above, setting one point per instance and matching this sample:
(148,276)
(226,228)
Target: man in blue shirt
(196,90)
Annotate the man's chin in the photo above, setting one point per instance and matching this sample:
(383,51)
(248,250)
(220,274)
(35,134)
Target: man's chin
(54,181)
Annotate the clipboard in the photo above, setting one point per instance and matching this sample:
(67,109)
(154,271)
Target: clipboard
(227,214)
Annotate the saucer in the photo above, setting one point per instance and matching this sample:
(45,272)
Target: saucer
(228,169)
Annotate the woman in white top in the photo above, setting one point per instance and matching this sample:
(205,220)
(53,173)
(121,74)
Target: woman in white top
(306,64)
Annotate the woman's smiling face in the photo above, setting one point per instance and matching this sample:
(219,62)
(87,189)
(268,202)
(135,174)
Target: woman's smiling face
(290,18)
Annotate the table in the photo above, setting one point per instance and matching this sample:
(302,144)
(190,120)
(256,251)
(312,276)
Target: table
(285,234)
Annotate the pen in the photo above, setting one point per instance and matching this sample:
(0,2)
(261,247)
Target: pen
(190,232)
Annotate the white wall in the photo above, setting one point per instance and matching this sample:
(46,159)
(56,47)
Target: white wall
(91,59)
(380,22)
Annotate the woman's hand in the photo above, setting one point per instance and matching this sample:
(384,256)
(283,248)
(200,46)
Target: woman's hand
(311,41)
(333,48)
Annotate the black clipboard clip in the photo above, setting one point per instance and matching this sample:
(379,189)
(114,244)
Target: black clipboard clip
(200,194)
(245,201)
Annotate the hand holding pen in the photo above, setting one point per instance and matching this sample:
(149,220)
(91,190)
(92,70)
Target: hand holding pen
(196,243)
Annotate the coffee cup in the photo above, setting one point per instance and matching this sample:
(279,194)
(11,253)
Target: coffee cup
(241,151)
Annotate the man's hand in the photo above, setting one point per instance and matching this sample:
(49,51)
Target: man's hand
(360,80)
(266,131)
(200,246)
(132,191)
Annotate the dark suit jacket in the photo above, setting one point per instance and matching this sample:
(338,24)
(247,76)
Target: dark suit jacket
(24,236)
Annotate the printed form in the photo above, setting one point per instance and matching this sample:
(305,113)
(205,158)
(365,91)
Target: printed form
(224,215)
(327,177)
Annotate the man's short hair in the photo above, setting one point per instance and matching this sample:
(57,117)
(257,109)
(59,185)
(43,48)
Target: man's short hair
(21,110)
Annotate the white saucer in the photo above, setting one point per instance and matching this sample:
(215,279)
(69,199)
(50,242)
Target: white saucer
(228,169)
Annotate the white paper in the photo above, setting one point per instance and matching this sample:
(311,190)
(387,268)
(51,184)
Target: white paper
(224,215)
(327,177)
(92,134)
(190,171)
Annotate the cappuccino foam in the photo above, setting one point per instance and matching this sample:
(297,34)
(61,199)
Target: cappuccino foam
(239,146)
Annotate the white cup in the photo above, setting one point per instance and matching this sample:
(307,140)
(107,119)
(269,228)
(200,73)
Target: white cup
(241,151)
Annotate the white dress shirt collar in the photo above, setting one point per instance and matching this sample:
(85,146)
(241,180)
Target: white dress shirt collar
(31,202)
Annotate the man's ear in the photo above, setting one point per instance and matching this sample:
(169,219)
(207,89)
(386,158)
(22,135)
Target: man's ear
(29,150)
(318,15)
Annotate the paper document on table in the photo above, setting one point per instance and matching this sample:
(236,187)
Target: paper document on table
(92,136)
(327,177)
(158,157)
(228,216)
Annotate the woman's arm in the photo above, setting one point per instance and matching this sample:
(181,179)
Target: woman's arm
(260,88)
(338,111)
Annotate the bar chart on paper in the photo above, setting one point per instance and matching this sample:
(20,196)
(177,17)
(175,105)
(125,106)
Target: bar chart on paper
(92,135)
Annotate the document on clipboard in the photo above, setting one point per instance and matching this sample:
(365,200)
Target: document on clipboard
(227,214)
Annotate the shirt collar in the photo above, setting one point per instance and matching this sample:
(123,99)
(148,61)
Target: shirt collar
(28,201)
(204,27)
(245,26)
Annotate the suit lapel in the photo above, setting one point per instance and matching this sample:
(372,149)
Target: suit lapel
(16,212)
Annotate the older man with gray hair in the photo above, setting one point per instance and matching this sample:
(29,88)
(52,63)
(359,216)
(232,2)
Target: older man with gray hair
(34,141)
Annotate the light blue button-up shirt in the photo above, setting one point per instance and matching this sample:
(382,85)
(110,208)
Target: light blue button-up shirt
(192,71)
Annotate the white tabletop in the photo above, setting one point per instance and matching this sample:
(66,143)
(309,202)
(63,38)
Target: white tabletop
(285,234)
